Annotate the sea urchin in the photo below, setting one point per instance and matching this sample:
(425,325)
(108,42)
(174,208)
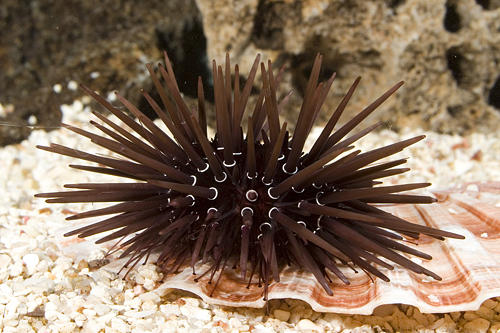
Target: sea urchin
(247,199)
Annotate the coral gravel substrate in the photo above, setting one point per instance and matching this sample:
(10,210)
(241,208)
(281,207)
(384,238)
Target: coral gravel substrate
(44,290)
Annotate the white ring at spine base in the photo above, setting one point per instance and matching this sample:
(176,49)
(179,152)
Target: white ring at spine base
(318,221)
(245,208)
(265,223)
(281,157)
(229,166)
(216,193)
(263,182)
(206,168)
(317,198)
(212,208)
(237,153)
(297,191)
(250,177)
(192,197)
(221,181)
(259,236)
(197,217)
(254,191)
(270,195)
(270,211)
(194,180)
(302,223)
(317,186)
(289,173)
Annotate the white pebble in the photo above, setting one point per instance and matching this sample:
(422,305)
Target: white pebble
(16,269)
(50,306)
(72,85)
(67,111)
(485,313)
(119,325)
(77,317)
(334,320)
(31,260)
(42,266)
(479,325)
(490,304)
(32,120)
(4,260)
(6,291)
(106,319)
(65,326)
(96,255)
(62,317)
(262,329)
(138,314)
(86,99)
(77,106)
(306,324)
(149,272)
(10,329)
(57,88)
(170,310)
(191,301)
(11,309)
(89,312)
(436,324)
(101,309)
(197,313)
(472,187)
(40,285)
(294,317)
(63,263)
(134,303)
(417,261)
(149,306)
(470,316)
(281,315)
(419,317)
(94,326)
(98,291)
(149,284)
(51,315)
(235,323)
(111,97)
(54,299)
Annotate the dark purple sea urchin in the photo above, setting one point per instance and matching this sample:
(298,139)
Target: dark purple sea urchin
(247,199)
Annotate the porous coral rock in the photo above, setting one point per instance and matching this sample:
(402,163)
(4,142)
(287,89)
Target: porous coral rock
(447,51)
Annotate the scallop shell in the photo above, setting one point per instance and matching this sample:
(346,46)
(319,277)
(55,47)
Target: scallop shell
(470,268)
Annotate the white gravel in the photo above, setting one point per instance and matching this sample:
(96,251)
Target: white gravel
(44,290)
